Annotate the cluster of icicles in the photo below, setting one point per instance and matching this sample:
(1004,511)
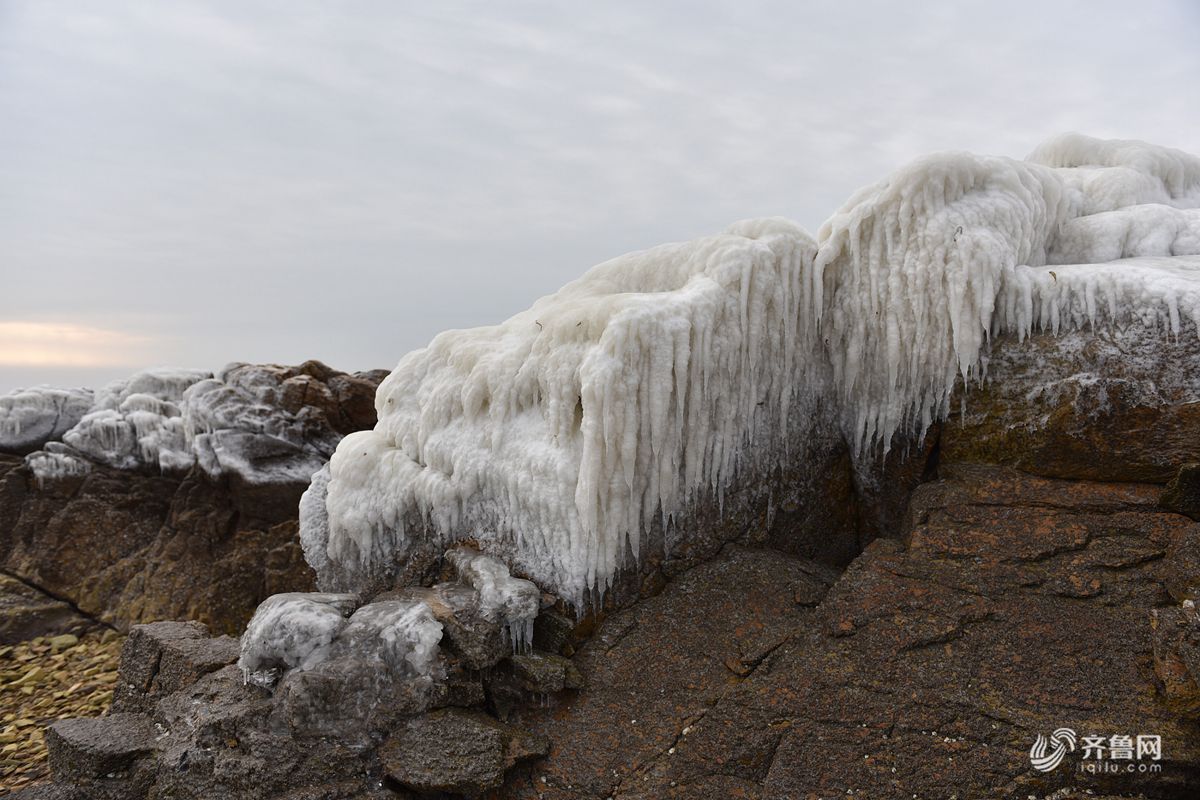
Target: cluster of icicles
(555,438)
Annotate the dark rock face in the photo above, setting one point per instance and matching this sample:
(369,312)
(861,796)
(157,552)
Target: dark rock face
(125,546)
(104,750)
(165,657)
(1016,606)
(26,612)
(462,752)
(1084,405)
(1182,494)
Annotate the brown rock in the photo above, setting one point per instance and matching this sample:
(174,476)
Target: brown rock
(1085,405)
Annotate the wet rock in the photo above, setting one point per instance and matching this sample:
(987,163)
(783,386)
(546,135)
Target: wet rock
(1182,494)
(1177,656)
(103,747)
(546,673)
(1087,405)
(456,751)
(27,612)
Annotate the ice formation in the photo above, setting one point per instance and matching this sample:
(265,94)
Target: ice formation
(400,634)
(236,423)
(292,631)
(137,422)
(554,438)
(295,632)
(241,422)
(512,601)
(31,417)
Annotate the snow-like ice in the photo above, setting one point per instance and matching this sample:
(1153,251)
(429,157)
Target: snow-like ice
(137,422)
(555,437)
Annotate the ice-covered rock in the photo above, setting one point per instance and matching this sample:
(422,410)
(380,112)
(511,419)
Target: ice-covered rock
(514,602)
(292,631)
(136,422)
(263,424)
(31,417)
(558,438)
(237,423)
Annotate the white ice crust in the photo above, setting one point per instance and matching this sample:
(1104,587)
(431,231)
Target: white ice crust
(557,436)
(299,631)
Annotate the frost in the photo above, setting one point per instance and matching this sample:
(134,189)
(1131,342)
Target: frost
(555,438)
(31,417)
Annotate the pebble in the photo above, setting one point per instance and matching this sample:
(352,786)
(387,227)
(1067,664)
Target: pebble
(46,679)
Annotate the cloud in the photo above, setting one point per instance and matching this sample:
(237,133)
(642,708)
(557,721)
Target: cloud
(256,182)
(43,344)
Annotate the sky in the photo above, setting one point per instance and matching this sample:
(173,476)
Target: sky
(194,183)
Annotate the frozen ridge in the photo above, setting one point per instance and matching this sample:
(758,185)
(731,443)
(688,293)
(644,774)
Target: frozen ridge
(555,438)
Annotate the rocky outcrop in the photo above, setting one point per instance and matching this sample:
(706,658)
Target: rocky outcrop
(26,613)
(127,545)
(1013,606)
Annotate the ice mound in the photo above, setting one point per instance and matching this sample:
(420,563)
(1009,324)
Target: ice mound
(263,423)
(564,430)
(137,422)
(554,438)
(237,423)
(923,268)
(31,417)
(292,631)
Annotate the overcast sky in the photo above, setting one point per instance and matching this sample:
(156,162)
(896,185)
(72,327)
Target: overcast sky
(196,183)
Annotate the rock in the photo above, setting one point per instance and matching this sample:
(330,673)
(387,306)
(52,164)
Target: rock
(141,657)
(128,545)
(552,631)
(1177,656)
(350,699)
(104,747)
(1016,605)
(1182,494)
(456,751)
(656,668)
(1085,405)
(546,673)
(26,612)
(1181,568)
